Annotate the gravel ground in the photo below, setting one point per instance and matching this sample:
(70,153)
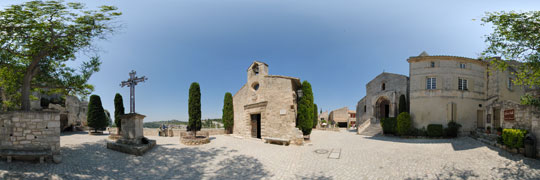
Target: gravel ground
(227,157)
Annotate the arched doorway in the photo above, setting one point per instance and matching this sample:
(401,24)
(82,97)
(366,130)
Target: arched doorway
(382,108)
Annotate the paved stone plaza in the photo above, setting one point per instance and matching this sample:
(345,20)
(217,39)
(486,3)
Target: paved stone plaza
(227,157)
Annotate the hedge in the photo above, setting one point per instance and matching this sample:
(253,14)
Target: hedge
(513,138)
(452,130)
(389,125)
(435,130)
(404,124)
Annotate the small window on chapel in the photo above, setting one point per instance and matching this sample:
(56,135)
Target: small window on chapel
(383,86)
(255,86)
(256,69)
(462,65)
(510,83)
(432,64)
(365,108)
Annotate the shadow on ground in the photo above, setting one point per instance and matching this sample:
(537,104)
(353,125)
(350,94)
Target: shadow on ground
(467,143)
(94,161)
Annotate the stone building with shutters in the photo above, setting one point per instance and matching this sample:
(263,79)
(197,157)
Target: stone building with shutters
(440,89)
(266,106)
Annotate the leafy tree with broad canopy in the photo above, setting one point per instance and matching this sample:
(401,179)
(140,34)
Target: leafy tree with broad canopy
(39,37)
(194,108)
(516,36)
(96,117)
(305,109)
(118,111)
(228,113)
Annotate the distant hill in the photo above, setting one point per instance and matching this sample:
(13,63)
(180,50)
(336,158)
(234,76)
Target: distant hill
(156,124)
(206,123)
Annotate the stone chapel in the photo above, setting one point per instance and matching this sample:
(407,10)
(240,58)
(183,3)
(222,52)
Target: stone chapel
(266,106)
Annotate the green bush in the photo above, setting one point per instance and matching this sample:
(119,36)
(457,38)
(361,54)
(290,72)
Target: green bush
(389,125)
(453,129)
(435,130)
(513,138)
(194,108)
(96,117)
(305,109)
(419,132)
(118,111)
(228,113)
(404,124)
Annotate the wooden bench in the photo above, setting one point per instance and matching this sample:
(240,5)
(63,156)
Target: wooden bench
(277,141)
(10,153)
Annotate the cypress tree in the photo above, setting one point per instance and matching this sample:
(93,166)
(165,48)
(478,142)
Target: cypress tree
(96,115)
(402,104)
(194,108)
(305,109)
(228,113)
(316,116)
(118,111)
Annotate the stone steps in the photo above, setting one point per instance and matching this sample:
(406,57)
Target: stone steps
(371,130)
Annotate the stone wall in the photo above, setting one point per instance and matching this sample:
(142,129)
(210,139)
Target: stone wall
(35,130)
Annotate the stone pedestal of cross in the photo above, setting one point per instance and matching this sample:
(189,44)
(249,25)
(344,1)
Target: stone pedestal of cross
(131,83)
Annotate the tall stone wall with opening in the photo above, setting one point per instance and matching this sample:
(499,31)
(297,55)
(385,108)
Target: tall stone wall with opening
(36,130)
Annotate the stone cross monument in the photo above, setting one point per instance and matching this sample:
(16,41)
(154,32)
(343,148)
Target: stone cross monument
(131,83)
(132,140)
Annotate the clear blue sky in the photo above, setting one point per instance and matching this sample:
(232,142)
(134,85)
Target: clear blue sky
(337,45)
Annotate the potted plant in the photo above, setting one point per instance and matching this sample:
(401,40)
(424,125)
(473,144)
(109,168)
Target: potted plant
(488,130)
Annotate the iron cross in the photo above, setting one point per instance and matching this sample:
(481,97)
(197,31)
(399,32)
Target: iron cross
(131,82)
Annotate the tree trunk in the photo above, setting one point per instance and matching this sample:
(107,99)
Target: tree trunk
(27,80)
(25,92)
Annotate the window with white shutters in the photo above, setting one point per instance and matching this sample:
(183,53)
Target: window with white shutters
(462,84)
(431,83)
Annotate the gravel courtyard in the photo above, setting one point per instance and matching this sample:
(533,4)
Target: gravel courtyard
(227,157)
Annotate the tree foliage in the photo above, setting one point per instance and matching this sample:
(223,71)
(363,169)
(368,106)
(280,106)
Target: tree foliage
(305,109)
(515,36)
(402,104)
(96,117)
(118,111)
(39,37)
(228,112)
(194,108)
(315,115)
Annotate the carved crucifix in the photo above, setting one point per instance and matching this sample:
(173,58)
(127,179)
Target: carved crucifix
(131,82)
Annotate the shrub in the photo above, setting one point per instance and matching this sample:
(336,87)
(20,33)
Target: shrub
(315,115)
(118,111)
(402,104)
(435,130)
(404,124)
(228,113)
(194,108)
(389,125)
(513,138)
(305,109)
(452,130)
(96,115)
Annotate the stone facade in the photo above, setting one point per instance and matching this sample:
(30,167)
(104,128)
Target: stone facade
(343,117)
(382,97)
(34,130)
(441,89)
(73,114)
(266,106)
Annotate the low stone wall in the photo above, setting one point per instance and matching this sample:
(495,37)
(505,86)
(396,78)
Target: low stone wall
(176,132)
(35,130)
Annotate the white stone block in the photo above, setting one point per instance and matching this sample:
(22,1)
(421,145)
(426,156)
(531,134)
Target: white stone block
(54,124)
